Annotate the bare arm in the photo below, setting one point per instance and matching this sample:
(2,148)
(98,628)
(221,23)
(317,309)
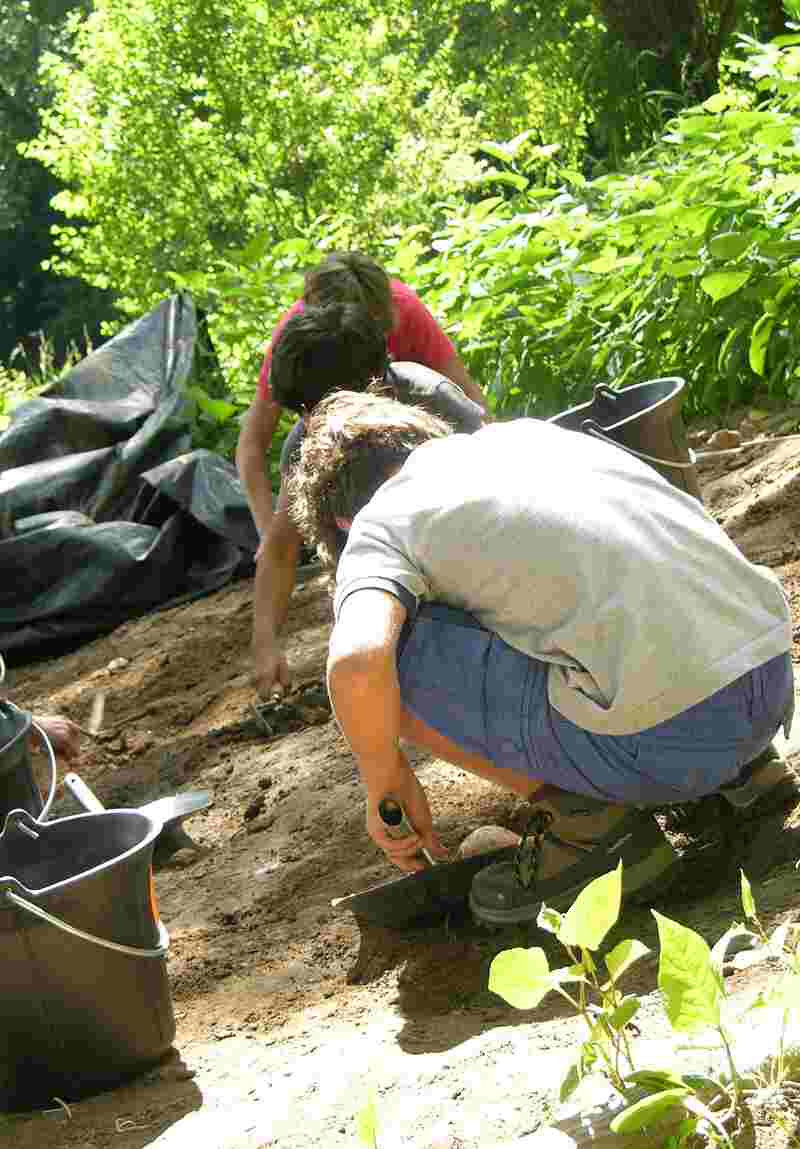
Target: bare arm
(276,573)
(457,373)
(255,440)
(365,694)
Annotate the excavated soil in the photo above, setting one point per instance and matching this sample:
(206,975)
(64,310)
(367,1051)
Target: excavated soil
(290,1015)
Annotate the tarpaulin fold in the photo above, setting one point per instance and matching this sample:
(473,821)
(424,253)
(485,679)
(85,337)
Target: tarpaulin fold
(105,511)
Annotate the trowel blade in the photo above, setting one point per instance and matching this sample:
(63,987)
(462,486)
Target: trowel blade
(414,898)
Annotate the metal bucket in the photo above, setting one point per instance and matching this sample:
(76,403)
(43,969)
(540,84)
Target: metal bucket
(645,420)
(84,996)
(18,789)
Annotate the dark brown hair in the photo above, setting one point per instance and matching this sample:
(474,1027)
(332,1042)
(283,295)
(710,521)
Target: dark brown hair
(352,277)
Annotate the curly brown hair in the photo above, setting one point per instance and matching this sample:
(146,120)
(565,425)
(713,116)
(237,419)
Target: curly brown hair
(354,442)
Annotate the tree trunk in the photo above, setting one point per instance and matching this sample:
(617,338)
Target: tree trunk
(679,41)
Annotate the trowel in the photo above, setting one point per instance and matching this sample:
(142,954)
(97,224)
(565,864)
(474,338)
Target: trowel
(170,811)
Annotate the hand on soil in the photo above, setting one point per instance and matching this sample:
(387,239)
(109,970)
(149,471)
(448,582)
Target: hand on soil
(65,737)
(271,674)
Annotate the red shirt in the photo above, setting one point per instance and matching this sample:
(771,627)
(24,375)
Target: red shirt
(415,338)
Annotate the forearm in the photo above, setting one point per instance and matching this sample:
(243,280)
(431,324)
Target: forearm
(252,466)
(276,573)
(362,687)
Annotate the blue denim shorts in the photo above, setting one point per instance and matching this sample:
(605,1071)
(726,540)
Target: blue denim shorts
(491,699)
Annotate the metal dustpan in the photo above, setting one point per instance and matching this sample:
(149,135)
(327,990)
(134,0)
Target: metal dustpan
(415,899)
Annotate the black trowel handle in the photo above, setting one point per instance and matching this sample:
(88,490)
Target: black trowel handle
(397,824)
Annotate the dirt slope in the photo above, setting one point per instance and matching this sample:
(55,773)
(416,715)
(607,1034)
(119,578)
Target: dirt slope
(287,1014)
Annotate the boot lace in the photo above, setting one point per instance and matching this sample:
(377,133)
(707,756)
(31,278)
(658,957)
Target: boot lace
(529,851)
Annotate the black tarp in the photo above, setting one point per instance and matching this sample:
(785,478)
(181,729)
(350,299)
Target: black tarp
(105,511)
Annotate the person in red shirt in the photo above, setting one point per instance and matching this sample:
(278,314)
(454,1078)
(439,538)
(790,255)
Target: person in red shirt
(412,335)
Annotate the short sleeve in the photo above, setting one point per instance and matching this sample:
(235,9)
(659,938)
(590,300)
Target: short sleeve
(376,558)
(264,391)
(417,335)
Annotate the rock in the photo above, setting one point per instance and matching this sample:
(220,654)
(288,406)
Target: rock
(724,440)
(254,808)
(259,824)
(181,859)
(485,839)
(117,664)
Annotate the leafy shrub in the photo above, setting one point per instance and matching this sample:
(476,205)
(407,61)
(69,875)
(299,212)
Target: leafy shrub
(686,262)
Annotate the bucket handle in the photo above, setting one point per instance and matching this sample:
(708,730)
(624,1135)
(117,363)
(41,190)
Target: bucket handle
(591,428)
(118,947)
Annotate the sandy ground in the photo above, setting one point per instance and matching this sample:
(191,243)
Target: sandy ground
(289,1015)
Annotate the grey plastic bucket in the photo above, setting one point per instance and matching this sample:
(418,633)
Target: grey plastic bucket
(84,996)
(644,419)
(18,789)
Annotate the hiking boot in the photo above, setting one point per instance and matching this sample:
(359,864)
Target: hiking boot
(571,840)
(18,789)
(765,783)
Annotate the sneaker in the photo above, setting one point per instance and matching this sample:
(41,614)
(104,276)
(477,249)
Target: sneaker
(768,781)
(570,841)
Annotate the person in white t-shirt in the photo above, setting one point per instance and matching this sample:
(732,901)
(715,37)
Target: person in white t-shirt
(544,610)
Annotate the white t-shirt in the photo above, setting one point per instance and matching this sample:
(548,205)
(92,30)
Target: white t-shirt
(579,554)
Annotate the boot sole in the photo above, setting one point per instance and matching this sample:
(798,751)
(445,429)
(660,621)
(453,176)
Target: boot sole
(653,874)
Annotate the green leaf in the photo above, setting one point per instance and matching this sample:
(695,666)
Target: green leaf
(691,987)
(648,1111)
(748,901)
(655,1080)
(367,1125)
(721,284)
(719,102)
(759,342)
(680,268)
(549,919)
(521,977)
(729,245)
(626,1010)
(571,1081)
(594,912)
(623,955)
(512,179)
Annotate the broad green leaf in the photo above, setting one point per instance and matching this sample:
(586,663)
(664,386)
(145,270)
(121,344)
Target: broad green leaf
(367,1125)
(496,151)
(603,264)
(648,1111)
(721,284)
(748,901)
(626,1010)
(521,977)
(549,919)
(680,268)
(594,912)
(759,342)
(729,245)
(775,136)
(512,179)
(623,955)
(656,1080)
(690,985)
(719,102)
